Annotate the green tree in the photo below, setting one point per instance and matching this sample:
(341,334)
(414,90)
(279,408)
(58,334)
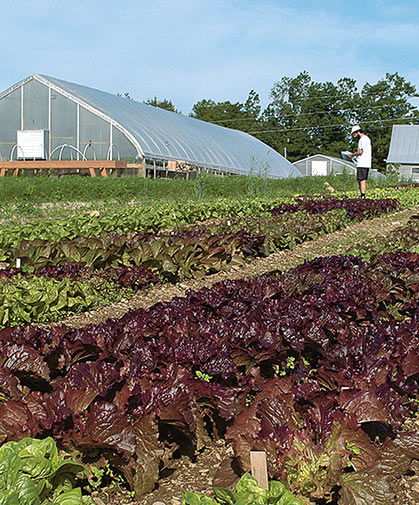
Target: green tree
(308,117)
(238,116)
(381,106)
(162,104)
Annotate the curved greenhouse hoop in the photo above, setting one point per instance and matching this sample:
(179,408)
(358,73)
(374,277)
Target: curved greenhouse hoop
(109,153)
(72,148)
(15,148)
(86,148)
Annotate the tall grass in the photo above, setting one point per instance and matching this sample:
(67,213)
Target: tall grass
(40,189)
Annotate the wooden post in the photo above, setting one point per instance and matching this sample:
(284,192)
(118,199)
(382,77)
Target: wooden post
(259,468)
(141,169)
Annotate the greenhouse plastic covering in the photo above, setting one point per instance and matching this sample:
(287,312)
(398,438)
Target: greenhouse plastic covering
(165,135)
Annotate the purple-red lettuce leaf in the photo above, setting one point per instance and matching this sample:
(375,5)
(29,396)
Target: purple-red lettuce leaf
(376,483)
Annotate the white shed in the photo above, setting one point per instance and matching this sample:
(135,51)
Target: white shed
(321,164)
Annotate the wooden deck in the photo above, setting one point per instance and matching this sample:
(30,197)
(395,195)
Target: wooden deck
(91,167)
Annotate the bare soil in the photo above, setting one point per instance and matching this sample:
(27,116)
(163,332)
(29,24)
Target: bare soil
(198,475)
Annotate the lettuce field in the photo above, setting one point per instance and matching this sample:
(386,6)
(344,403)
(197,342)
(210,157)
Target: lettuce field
(314,362)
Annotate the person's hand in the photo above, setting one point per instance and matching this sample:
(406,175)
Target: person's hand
(351,155)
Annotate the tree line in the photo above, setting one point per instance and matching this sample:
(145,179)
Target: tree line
(304,117)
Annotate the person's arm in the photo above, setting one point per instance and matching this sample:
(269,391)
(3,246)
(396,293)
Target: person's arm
(356,153)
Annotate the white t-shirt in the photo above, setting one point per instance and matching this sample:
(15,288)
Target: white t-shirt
(364,160)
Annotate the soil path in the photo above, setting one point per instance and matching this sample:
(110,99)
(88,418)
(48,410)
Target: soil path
(328,245)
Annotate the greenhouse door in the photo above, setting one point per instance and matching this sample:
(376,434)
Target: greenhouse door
(318,167)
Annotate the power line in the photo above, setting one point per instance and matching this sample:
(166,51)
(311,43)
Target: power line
(354,109)
(321,96)
(313,127)
(358,94)
(324,126)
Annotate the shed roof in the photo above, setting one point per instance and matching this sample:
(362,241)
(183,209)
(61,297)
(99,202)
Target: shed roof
(404,145)
(165,135)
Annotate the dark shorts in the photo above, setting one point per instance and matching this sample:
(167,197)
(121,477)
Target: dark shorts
(362,174)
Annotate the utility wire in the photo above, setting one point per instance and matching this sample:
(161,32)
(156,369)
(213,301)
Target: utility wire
(310,127)
(321,96)
(354,109)
(342,94)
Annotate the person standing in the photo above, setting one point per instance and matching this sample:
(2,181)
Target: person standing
(363,154)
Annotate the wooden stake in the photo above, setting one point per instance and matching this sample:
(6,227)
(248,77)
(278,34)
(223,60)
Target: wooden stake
(259,468)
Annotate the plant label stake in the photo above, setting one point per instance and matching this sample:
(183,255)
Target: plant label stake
(17,262)
(259,468)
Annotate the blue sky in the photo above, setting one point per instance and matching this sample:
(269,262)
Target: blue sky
(186,51)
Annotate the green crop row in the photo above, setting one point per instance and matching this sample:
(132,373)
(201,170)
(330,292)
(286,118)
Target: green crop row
(134,218)
(37,299)
(190,253)
(129,219)
(406,196)
(26,299)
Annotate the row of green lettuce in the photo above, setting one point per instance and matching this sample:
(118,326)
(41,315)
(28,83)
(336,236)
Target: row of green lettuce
(42,300)
(55,293)
(156,217)
(128,219)
(407,196)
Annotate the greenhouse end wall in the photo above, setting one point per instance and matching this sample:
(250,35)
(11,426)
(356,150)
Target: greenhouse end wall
(73,129)
(10,123)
